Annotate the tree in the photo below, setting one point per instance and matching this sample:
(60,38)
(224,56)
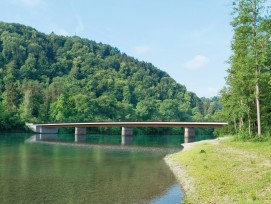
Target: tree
(169,110)
(148,109)
(28,70)
(30,108)
(248,64)
(61,110)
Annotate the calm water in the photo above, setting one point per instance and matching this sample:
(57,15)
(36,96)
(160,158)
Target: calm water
(95,169)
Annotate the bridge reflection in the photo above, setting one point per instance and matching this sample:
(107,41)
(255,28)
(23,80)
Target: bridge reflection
(125,140)
(163,143)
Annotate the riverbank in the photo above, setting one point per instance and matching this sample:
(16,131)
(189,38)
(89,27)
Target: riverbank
(224,171)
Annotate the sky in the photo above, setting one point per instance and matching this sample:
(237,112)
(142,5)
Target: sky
(188,39)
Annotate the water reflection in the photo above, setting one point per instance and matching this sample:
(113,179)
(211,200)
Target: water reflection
(72,172)
(112,142)
(126,140)
(80,138)
(45,137)
(136,140)
(189,139)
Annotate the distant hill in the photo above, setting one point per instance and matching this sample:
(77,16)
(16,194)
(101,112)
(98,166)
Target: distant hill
(55,78)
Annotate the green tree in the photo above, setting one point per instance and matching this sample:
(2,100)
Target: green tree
(248,65)
(169,111)
(148,109)
(28,70)
(30,108)
(61,109)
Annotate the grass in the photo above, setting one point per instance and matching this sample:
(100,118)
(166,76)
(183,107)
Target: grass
(224,171)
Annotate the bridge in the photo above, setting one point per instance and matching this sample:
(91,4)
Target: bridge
(127,127)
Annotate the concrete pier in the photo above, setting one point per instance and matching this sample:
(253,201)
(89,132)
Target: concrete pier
(127,131)
(126,135)
(189,135)
(80,131)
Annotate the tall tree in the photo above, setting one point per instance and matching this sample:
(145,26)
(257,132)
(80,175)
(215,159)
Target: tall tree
(248,65)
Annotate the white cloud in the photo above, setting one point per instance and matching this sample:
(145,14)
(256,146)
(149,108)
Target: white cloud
(142,49)
(32,3)
(197,62)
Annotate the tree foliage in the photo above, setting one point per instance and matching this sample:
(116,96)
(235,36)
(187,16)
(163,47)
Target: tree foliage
(246,99)
(51,78)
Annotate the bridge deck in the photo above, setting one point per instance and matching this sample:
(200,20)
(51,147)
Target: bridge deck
(136,124)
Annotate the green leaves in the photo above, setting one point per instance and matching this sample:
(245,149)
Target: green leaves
(49,78)
(247,88)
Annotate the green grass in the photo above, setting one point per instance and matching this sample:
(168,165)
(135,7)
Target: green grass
(227,172)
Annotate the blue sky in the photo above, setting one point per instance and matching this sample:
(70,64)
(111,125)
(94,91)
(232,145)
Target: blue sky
(190,40)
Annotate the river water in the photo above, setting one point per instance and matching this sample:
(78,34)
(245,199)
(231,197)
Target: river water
(95,169)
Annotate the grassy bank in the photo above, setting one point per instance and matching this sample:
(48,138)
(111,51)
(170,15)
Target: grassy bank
(224,171)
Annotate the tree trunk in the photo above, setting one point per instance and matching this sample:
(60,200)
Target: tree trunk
(257,68)
(249,122)
(235,125)
(258,110)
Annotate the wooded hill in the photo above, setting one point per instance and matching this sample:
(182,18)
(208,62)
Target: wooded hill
(51,78)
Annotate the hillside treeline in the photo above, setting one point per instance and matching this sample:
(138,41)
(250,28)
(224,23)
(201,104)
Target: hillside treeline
(51,78)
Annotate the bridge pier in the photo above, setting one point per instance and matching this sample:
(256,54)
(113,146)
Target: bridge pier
(126,131)
(189,135)
(80,131)
(80,134)
(126,136)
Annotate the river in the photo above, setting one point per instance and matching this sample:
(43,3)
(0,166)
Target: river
(96,169)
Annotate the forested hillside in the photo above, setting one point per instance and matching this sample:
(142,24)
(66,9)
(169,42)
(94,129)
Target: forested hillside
(51,78)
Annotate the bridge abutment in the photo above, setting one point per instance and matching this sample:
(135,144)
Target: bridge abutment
(189,135)
(44,130)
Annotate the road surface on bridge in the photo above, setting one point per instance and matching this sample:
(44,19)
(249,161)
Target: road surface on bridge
(135,124)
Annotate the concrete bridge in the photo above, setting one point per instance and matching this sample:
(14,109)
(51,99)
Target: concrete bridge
(127,127)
